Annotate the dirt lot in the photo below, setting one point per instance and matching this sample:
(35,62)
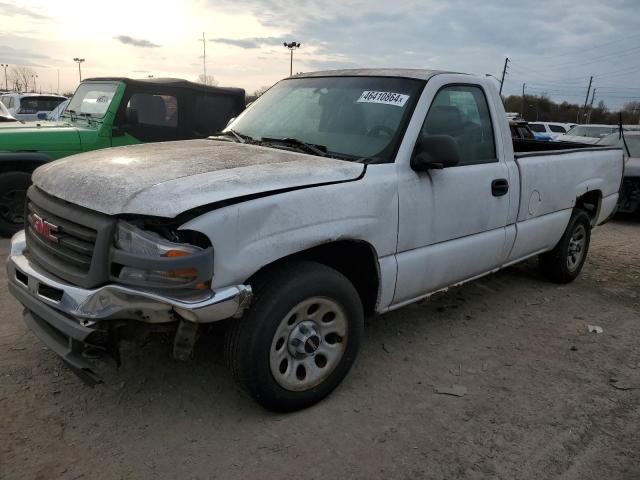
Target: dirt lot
(541,398)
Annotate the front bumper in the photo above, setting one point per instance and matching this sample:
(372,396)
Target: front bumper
(115,301)
(69,319)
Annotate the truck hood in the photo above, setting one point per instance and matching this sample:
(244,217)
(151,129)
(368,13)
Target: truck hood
(38,136)
(166,179)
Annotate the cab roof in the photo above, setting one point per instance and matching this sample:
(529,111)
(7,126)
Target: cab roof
(415,73)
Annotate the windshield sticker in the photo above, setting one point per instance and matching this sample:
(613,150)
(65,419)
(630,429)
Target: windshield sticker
(386,98)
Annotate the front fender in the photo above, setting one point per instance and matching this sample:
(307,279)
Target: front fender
(249,235)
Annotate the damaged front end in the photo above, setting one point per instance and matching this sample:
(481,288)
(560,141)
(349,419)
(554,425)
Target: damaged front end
(88,281)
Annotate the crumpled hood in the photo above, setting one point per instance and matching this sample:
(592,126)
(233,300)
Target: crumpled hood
(166,179)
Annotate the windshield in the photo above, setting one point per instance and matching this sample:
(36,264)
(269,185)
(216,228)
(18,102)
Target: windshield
(633,142)
(350,117)
(92,99)
(39,104)
(594,132)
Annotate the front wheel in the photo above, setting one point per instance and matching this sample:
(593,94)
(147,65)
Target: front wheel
(13,194)
(299,338)
(564,263)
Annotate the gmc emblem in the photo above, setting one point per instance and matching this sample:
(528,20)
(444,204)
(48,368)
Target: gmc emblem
(42,227)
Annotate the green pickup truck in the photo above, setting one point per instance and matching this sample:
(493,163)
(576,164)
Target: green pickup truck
(108,112)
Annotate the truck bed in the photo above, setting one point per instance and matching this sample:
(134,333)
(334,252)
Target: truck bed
(551,181)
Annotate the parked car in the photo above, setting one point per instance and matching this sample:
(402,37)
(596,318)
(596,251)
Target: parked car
(106,112)
(522,129)
(589,134)
(5,116)
(550,128)
(56,113)
(629,201)
(30,106)
(333,196)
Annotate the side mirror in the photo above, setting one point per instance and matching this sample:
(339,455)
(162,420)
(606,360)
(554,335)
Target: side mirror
(435,152)
(42,116)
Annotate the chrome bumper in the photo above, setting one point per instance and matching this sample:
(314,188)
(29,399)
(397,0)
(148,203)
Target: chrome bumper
(117,301)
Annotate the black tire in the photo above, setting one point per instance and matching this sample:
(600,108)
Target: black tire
(563,264)
(13,194)
(249,340)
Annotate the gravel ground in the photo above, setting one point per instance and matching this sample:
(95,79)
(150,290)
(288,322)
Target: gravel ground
(544,397)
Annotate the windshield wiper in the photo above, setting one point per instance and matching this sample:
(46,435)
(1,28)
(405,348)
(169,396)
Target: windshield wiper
(319,150)
(240,137)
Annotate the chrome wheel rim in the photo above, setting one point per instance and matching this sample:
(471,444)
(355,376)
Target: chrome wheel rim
(308,344)
(577,245)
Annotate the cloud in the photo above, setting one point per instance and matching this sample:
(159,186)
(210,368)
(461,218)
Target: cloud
(560,50)
(249,43)
(136,42)
(16,56)
(9,10)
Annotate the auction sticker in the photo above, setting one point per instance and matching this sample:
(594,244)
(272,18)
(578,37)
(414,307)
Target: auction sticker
(386,98)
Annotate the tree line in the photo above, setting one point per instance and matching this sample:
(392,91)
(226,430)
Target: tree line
(542,108)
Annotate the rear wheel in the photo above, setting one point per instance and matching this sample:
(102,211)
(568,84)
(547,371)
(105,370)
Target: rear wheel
(13,194)
(564,263)
(299,338)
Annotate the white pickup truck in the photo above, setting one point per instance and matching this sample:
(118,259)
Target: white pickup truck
(335,195)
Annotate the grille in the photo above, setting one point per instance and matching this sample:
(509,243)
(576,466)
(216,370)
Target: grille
(75,243)
(77,249)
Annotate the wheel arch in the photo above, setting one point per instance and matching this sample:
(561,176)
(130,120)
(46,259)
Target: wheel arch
(355,259)
(590,202)
(25,162)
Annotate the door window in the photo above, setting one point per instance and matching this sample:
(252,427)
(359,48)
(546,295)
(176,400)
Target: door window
(152,117)
(462,112)
(154,110)
(557,129)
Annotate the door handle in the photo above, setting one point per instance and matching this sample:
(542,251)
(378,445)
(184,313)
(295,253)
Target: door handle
(499,187)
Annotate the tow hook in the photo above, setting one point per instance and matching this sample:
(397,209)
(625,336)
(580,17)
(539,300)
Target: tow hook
(185,339)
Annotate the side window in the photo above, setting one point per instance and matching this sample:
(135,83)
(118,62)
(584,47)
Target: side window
(557,129)
(537,127)
(212,113)
(462,112)
(153,110)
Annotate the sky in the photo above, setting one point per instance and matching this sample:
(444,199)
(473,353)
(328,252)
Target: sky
(554,45)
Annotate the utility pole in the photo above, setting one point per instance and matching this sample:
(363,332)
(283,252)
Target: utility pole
(79,61)
(6,84)
(58,89)
(593,95)
(504,72)
(522,103)
(584,109)
(291,46)
(204,58)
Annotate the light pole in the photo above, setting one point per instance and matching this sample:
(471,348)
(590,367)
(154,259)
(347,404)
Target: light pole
(6,84)
(35,88)
(79,61)
(291,46)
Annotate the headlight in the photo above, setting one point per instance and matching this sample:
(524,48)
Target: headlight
(149,244)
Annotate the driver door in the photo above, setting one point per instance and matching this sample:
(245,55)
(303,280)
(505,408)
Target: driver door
(453,221)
